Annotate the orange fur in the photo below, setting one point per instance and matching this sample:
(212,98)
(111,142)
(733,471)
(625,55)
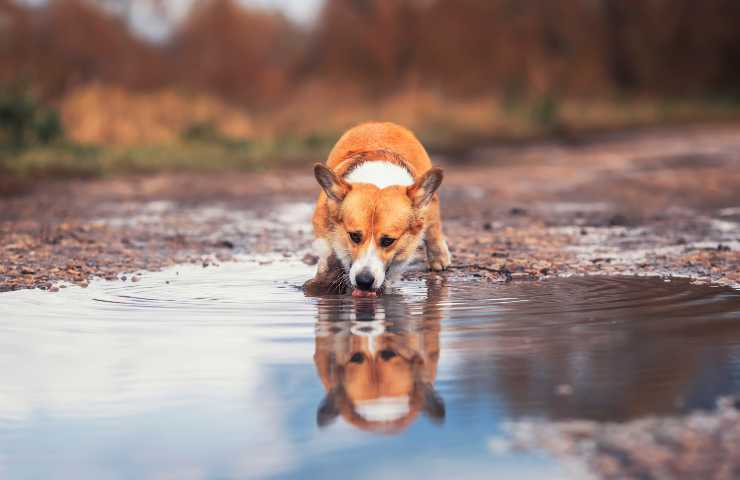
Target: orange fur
(409,372)
(403,213)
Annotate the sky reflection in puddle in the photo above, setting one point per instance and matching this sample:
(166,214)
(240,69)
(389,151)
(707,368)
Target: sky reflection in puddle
(231,372)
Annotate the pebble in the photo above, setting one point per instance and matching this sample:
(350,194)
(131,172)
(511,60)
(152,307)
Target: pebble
(520,276)
(310,259)
(564,389)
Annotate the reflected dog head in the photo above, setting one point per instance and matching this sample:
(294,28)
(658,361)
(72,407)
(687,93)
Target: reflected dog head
(378,375)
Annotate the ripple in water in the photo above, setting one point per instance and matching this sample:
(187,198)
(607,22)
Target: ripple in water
(231,372)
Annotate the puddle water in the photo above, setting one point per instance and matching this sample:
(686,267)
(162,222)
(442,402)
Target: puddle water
(231,372)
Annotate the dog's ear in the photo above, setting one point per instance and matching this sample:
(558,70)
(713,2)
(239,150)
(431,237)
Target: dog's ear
(423,190)
(335,187)
(434,407)
(328,410)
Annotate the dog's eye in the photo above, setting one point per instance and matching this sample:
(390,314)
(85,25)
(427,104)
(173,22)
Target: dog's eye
(357,358)
(387,355)
(355,236)
(386,241)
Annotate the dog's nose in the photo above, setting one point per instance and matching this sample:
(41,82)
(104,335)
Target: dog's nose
(365,280)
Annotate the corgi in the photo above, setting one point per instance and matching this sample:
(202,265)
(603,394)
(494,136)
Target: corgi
(378,202)
(378,363)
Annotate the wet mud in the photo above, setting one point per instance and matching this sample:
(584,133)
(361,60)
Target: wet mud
(659,203)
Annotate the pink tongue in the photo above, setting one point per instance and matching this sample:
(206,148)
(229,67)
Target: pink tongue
(364,293)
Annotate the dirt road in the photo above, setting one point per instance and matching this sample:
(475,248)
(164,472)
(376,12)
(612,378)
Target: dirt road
(663,202)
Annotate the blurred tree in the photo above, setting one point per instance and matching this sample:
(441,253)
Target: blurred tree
(372,43)
(236,53)
(24,121)
(465,48)
(72,42)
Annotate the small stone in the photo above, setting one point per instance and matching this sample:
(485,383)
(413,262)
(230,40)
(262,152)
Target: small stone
(517,211)
(135,278)
(618,220)
(310,259)
(564,389)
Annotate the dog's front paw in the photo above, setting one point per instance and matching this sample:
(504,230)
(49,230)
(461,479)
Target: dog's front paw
(330,282)
(314,287)
(438,255)
(440,261)
(439,265)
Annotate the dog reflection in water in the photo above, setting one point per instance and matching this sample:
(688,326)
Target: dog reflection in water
(378,362)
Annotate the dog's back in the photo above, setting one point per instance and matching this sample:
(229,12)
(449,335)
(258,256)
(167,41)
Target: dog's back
(381,136)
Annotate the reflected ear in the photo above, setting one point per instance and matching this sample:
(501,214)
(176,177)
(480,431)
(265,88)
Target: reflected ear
(434,407)
(328,409)
(326,362)
(334,187)
(423,190)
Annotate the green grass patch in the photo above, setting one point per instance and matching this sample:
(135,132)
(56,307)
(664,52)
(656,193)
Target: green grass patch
(28,152)
(67,160)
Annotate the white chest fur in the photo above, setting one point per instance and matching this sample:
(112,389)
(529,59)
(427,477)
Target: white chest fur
(380,174)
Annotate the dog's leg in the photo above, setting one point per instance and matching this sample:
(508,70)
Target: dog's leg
(438,254)
(330,276)
(323,250)
(320,281)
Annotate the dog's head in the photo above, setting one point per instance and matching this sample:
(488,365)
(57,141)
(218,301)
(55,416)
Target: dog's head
(374,230)
(378,382)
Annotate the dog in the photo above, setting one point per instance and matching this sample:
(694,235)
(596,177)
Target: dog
(378,202)
(378,362)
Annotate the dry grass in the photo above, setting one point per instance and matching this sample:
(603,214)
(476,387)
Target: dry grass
(443,121)
(111,131)
(106,115)
(111,116)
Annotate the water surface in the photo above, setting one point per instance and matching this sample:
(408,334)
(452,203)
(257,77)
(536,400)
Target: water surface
(231,372)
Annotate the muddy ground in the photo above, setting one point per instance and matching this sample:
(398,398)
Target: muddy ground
(662,202)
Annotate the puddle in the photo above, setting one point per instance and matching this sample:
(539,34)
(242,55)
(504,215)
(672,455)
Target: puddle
(231,372)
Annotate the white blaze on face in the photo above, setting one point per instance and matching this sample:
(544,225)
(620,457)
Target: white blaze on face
(384,409)
(382,175)
(369,261)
